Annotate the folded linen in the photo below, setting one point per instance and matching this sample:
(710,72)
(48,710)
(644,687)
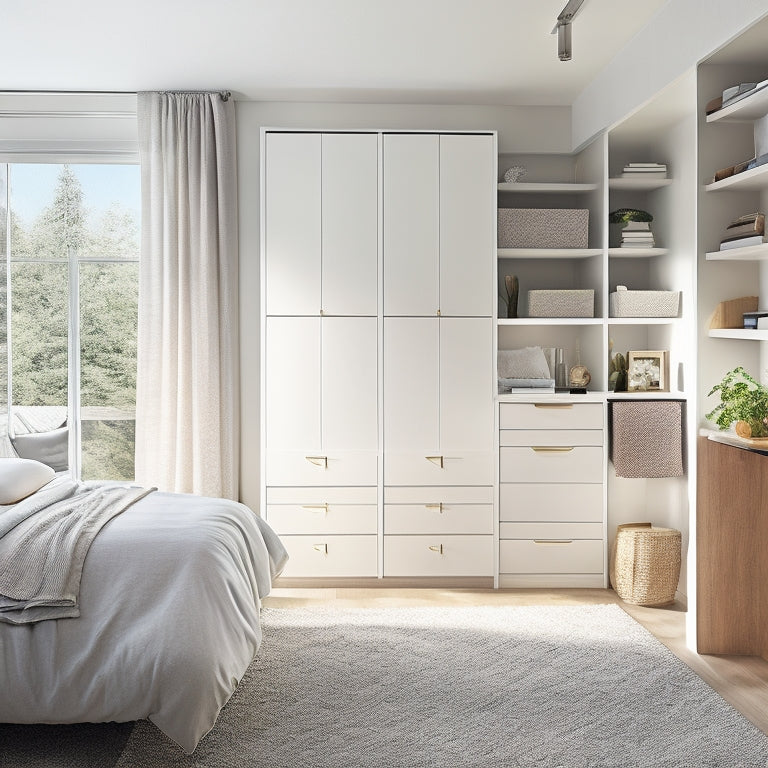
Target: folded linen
(527,383)
(526,363)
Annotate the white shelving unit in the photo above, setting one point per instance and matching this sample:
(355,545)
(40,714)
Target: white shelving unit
(548,253)
(637,253)
(748,253)
(638,184)
(549,187)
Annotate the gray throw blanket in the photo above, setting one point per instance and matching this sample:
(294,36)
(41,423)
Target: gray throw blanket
(43,543)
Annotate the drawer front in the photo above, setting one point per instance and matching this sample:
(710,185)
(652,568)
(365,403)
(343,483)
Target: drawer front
(323,518)
(566,502)
(330,556)
(560,437)
(438,518)
(438,556)
(551,416)
(471,468)
(321,468)
(542,556)
(309,494)
(549,464)
(551,531)
(456,494)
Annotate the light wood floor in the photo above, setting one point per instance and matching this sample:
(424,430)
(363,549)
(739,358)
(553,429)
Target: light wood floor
(741,680)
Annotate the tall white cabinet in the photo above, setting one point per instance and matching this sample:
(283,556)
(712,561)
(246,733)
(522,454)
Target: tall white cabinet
(378,352)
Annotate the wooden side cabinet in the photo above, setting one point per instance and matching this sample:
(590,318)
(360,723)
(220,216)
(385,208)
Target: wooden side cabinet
(732,550)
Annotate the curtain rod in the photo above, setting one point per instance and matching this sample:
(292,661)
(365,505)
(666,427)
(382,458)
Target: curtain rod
(225,95)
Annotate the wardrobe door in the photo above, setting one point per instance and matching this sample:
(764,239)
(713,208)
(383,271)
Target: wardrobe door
(350,235)
(411,224)
(292,239)
(467,219)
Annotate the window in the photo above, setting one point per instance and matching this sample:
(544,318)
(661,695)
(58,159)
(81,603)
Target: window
(69,241)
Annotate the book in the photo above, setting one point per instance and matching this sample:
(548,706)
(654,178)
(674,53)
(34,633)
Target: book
(741,91)
(742,242)
(637,226)
(739,228)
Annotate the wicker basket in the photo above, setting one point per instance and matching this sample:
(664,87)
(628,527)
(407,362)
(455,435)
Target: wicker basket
(561,303)
(644,303)
(543,227)
(645,564)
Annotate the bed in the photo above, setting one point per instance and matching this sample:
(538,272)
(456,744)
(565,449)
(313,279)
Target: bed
(168,621)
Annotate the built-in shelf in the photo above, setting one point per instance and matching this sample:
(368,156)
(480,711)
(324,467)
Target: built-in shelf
(756,178)
(642,320)
(548,253)
(640,185)
(550,321)
(646,396)
(747,334)
(545,186)
(637,253)
(591,396)
(743,111)
(748,253)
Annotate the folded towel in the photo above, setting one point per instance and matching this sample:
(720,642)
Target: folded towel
(527,363)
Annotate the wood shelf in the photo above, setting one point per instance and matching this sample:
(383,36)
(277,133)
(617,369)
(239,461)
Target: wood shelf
(548,253)
(743,111)
(748,253)
(545,186)
(756,178)
(637,253)
(744,334)
(641,184)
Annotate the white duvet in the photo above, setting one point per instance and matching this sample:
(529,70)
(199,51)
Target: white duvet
(169,602)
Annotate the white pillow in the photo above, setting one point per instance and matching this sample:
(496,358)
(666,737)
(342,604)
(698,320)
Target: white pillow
(21,477)
(528,363)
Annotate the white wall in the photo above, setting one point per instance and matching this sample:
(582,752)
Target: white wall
(680,35)
(521,130)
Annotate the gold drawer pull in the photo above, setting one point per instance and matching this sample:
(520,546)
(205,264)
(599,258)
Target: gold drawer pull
(546,542)
(318,461)
(316,507)
(438,506)
(553,405)
(436,460)
(437,548)
(552,448)
(320,548)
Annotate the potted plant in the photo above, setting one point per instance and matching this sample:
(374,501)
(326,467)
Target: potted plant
(742,400)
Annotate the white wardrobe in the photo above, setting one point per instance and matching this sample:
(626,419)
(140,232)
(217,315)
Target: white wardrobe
(378,284)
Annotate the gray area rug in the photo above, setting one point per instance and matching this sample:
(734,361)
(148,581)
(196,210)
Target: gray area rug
(486,687)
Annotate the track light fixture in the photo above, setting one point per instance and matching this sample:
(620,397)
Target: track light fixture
(563,29)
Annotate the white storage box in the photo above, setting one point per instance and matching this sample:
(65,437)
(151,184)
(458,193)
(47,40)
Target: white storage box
(561,303)
(543,227)
(624,303)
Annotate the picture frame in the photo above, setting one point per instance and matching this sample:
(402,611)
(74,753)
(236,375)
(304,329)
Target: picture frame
(648,370)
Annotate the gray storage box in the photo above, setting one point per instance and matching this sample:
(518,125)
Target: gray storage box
(561,303)
(543,227)
(623,303)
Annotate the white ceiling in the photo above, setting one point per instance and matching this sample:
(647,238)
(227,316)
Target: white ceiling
(423,51)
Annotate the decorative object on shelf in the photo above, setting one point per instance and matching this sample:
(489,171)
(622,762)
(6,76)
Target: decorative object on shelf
(515,173)
(648,371)
(631,228)
(579,376)
(743,231)
(624,215)
(512,289)
(752,320)
(625,303)
(543,227)
(524,371)
(578,302)
(561,370)
(617,371)
(645,171)
(743,400)
(730,314)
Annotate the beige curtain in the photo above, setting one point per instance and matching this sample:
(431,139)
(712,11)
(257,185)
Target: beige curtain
(187,400)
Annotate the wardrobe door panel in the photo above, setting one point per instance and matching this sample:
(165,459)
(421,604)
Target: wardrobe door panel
(467,212)
(350,237)
(292,240)
(411,169)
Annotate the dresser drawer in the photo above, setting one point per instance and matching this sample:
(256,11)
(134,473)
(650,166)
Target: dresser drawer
(551,464)
(560,437)
(456,494)
(329,556)
(438,518)
(321,468)
(323,518)
(548,557)
(551,416)
(551,531)
(470,468)
(438,555)
(574,502)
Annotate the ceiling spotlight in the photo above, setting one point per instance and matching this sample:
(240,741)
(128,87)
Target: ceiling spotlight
(563,29)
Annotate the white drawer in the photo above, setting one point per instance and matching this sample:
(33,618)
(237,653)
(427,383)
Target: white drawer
(321,468)
(307,494)
(327,556)
(457,494)
(529,556)
(567,502)
(323,518)
(470,468)
(551,531)
(438,556)
(550,464)
(438,518)
(551,416)
(551,437)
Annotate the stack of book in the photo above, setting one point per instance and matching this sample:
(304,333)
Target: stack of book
(645,170)
(744,231)
(637,234)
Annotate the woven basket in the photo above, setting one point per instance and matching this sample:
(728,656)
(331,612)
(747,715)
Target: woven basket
(645,564)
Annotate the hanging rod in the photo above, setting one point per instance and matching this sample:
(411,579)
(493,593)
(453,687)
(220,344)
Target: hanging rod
(225,95)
